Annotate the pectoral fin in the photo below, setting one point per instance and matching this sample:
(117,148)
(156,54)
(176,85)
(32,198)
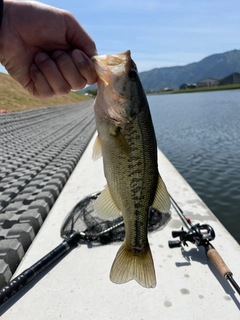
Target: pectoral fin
(121,142)
(97,149)
(105,207)
(162,200)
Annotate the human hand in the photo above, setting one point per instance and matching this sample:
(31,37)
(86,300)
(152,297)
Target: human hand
(45,49)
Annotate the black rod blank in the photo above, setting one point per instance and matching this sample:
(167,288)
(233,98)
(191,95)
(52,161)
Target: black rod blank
(29,274)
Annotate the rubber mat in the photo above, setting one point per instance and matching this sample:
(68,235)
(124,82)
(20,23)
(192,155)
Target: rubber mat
(38,151)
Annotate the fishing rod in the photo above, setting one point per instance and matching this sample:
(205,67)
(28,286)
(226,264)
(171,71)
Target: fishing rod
(201,235)
(29,274)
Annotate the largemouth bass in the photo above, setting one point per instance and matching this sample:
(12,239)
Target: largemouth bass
(127,143)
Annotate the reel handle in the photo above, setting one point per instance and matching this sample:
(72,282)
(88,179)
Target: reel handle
(174,243)
(179,233)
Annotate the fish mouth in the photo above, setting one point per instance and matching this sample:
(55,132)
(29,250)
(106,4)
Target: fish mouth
(112,99)
(106,64)
(113,60)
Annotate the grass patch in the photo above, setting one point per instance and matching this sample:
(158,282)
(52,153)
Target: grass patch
(14,98)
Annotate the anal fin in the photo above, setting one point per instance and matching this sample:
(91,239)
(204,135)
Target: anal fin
(161,201)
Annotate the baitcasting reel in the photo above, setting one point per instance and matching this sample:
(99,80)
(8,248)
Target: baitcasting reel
(197,234)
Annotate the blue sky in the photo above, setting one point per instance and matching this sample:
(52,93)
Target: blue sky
(159,33)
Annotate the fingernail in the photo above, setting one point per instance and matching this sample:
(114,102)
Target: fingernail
(78,56)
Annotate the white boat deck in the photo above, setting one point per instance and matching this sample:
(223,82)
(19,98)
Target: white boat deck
(78,287)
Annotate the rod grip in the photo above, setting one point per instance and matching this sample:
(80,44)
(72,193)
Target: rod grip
(218,262)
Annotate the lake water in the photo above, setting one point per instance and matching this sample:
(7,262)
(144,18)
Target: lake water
(200,134)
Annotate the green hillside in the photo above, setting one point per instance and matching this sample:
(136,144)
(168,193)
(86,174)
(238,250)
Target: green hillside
(14,98)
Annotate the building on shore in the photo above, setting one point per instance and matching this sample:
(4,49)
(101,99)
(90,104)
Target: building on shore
(233,78)
(208,82)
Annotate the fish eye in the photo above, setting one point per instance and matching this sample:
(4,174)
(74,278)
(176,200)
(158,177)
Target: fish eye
(132,74)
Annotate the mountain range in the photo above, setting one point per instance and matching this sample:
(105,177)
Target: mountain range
(214,66)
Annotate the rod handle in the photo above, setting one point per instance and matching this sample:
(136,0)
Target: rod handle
(217,261)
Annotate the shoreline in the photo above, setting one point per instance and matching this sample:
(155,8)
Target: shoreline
(205,89)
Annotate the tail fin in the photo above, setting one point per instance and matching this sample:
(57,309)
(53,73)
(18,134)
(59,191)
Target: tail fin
(129,265)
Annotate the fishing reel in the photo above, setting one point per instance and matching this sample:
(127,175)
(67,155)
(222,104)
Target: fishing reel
(199,234)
